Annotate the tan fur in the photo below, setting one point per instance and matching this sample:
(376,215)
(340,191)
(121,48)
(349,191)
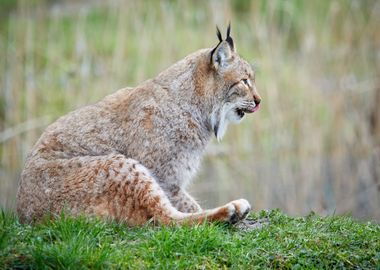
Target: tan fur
(130,156)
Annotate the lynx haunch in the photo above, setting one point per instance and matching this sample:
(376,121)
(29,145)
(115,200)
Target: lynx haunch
(130,156)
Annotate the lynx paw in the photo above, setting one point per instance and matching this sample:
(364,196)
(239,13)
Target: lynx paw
(238,210)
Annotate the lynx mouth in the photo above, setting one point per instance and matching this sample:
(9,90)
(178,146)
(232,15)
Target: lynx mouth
(251,109)
(239,112)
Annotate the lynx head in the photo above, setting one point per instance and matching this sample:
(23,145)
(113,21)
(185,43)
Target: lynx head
(235,92)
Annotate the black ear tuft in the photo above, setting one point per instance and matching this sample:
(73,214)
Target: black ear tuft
(229,38)
(219,34)
(228,29)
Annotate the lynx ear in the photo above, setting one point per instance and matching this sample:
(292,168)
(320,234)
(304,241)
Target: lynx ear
(221,55)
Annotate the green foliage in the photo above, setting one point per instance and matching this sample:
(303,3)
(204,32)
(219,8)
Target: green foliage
(288,242)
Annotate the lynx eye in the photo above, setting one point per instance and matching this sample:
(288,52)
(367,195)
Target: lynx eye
(246,82)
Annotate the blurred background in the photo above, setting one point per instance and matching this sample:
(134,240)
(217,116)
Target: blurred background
(314,145)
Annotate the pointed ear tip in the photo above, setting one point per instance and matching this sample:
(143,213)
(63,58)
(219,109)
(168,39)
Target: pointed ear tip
(218,34)
(217,29)
(229,29)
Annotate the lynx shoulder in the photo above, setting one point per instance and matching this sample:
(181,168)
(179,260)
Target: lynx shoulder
(130,156)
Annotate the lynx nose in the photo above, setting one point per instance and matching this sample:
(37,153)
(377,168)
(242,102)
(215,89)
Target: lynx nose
(257,99)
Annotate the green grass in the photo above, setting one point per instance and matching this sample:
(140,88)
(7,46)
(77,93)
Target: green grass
(288,242)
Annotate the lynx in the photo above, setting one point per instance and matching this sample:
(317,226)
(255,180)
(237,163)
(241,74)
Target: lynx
(131,156)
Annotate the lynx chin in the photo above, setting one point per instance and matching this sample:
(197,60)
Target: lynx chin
(130,156)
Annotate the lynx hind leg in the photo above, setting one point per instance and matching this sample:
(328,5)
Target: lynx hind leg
(134,197)
(125,190)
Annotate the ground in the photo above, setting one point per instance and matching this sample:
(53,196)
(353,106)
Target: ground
(287,242)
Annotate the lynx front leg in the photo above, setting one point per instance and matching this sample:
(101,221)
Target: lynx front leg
(231,212)
(182,201)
